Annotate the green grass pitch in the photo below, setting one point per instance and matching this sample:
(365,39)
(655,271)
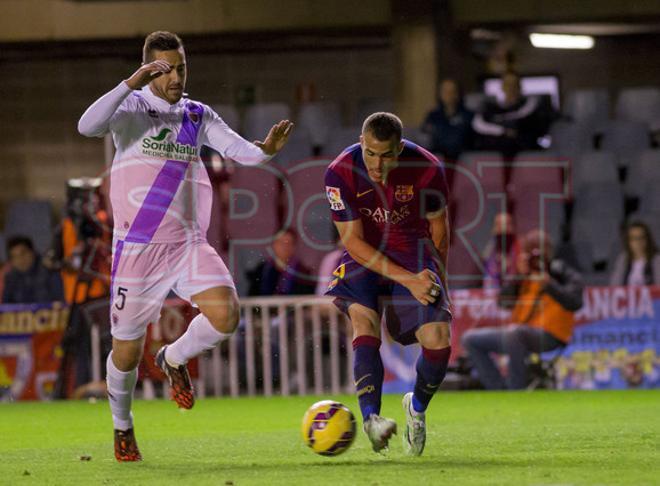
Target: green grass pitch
(540,438)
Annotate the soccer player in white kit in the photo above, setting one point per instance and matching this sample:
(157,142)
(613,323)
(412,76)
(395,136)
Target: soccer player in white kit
(161,200)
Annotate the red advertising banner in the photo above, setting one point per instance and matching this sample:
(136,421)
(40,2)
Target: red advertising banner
(30,353)
(615,343)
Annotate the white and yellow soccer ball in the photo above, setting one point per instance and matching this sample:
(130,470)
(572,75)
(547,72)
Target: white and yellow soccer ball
(328,428)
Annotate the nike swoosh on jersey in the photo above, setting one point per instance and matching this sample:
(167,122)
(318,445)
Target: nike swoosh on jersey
(360,194)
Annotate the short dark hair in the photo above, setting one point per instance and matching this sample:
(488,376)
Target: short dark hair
(19,240)
(384,126)
(160,40)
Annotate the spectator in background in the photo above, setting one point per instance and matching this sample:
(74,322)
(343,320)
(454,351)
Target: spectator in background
(29,281)
(514,124)
(449,125)
(544,295)
(639,264)
(501,252)
(282,273)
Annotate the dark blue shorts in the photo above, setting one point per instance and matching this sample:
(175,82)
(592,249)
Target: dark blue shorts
(353,283)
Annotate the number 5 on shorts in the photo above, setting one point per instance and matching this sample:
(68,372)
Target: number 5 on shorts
(121,292)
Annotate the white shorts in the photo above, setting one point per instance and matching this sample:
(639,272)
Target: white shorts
(143,275)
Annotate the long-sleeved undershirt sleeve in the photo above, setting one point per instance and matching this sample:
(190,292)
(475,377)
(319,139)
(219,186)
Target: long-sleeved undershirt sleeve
(95,122)
(230,144)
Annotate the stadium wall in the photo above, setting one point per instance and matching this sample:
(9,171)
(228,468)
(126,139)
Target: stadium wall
(67,19)
(43,99)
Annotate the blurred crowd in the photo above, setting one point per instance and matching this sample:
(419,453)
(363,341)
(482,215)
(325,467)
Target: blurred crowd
(535,274)
(77,266)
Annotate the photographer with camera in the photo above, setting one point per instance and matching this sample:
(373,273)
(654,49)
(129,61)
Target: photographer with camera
(82,250)
(82,243)
(543,297)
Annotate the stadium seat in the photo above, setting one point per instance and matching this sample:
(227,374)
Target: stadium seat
(340,139)
(570,139)
(644,168)
(537,175)
(320,119)
(597,217)
(531,213)
(599,199)
(650,198)
(31,218)
(539,168)
(260,118)
(584,255)
(230,116)
(468,241)
(253,202)
(595,166)
(310,214)
(640,104)
(596,279)
(475,200)
(252,219)
(487,168)
(476,101)
(591,106)
(600,234)
(367,106)
(626,139)
(298,149)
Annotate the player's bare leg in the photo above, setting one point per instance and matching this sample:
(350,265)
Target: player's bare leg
(368,373)
(121,378)
(217,321)
(431,368)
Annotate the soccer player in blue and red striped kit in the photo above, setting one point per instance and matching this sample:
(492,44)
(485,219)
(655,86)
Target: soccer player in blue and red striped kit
(388,199)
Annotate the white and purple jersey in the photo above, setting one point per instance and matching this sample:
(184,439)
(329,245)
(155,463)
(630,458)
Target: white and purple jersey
(159,189)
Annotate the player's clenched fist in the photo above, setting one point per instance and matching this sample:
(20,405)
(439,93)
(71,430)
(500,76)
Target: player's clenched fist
(424,286)
(147,72)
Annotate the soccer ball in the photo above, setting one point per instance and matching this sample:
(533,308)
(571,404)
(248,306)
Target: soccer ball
(328,428)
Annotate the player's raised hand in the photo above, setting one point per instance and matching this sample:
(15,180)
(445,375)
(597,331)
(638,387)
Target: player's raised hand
(424,286)
(148,72)
(276,138)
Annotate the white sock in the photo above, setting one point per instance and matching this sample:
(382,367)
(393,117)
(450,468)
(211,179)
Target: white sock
(121,385)
(199,337)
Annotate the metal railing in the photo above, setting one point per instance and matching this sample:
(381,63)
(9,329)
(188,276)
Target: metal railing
(283,346)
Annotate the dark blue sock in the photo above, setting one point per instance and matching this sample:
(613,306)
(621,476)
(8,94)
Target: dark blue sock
(368,373)
(431,368)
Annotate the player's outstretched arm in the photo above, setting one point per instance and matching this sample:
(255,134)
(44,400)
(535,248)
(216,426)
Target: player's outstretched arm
(423,285)
(95,122)
(231,145)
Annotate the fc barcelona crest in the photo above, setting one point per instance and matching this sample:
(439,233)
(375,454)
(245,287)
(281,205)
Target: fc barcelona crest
(404,193)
